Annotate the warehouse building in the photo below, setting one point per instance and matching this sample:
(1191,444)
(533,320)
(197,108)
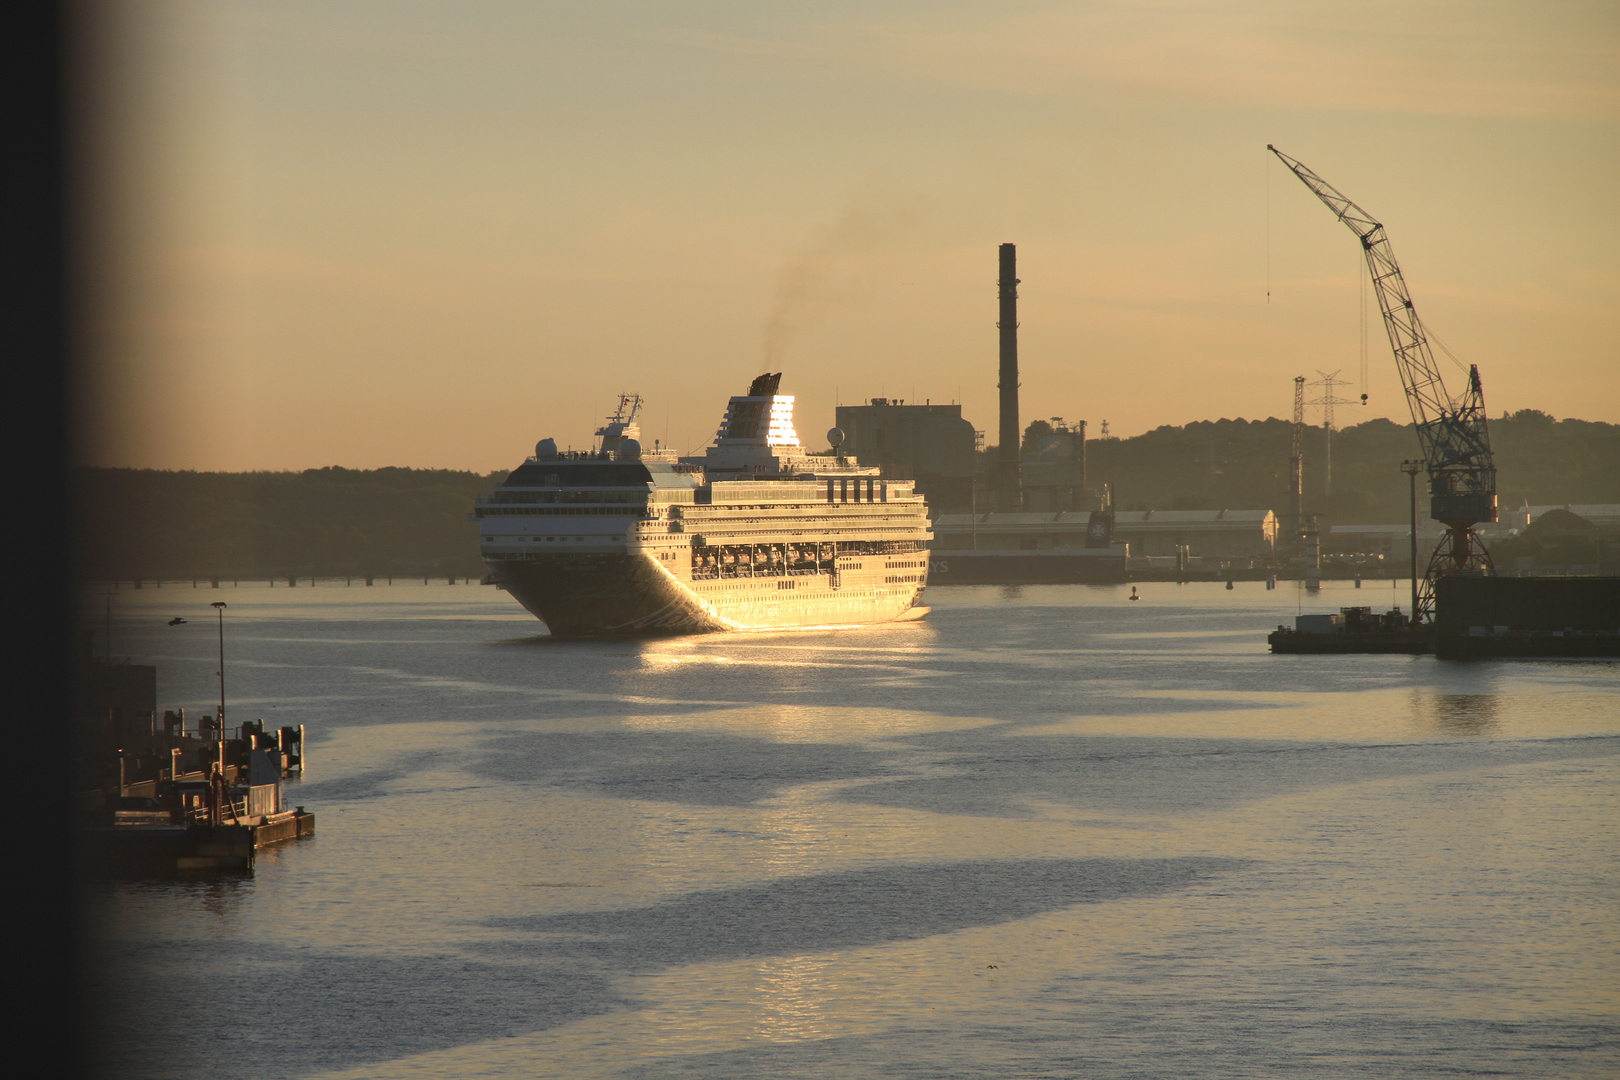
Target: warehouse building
(1221,534)
(931,444)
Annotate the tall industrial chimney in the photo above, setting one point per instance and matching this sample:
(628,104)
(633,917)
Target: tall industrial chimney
(1080,488)
(1009,493)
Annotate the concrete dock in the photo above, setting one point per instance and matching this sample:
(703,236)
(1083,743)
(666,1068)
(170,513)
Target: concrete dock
(1477,617)
(164,850)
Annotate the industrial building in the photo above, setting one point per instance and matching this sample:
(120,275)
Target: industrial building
(1225,534)
(1010,531)
(1023,547)
(1054,470)
(938,449)
(928,443)
(1219,534)
(1394,540)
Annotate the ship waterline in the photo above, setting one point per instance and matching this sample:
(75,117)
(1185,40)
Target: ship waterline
(633,594)
(753,534)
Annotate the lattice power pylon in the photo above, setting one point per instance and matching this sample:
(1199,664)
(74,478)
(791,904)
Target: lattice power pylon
(1329,380)
(1296,463)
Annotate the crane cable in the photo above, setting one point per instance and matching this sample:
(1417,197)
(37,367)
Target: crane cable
(1462,367)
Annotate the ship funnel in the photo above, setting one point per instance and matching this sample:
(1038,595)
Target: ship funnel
(761,416)
(756,434)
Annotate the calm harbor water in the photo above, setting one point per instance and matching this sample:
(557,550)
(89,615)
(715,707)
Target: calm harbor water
(1046,832)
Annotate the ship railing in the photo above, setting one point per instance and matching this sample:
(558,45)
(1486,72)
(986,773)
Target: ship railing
(706,573)
(744,570)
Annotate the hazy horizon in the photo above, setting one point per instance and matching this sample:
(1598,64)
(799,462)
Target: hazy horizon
(426,236)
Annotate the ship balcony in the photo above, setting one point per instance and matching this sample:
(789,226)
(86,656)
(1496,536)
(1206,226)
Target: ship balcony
(743,570)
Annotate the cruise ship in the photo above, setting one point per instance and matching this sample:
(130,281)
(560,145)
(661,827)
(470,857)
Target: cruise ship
(754,533)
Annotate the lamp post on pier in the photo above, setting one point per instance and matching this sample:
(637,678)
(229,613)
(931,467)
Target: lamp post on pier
(1410,468)
(219,607)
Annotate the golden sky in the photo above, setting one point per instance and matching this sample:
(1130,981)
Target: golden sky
(388,232)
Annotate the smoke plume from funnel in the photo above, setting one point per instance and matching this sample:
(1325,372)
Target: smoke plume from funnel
(837,267)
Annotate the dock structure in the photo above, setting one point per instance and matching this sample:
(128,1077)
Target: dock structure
(193,822)
(1352,630)
(162,798)
(1476,618)
(130,849)
(963,566)
(1480,617)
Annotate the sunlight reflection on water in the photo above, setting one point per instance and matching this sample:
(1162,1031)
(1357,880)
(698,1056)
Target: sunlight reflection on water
(1046,832)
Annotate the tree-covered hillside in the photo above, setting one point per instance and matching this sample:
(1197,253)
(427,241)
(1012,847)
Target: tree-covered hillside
(145,523)
(1234,464)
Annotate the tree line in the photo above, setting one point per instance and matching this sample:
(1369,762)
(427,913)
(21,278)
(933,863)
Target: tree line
(145,523)
(1244,464)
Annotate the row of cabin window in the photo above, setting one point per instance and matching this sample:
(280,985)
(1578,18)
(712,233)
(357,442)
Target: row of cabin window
(549,539)
(622,510)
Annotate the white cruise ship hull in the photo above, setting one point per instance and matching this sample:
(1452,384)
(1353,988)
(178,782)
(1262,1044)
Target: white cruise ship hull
(631,594)
(755,534)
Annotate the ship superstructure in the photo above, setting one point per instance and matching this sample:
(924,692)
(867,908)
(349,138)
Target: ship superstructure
(753,533)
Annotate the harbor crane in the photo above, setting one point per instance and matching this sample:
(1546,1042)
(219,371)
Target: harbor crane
(1451,431)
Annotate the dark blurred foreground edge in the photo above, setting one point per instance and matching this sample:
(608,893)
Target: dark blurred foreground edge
(49,1009)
